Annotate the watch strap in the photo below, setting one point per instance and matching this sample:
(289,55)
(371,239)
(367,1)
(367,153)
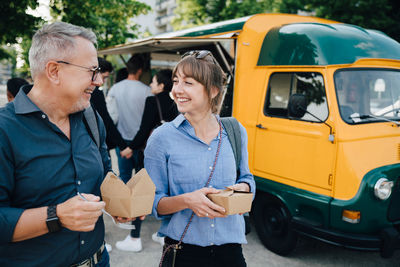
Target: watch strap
(53,223)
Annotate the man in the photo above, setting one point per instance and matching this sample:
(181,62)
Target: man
(129,96)
(47,156)
(13,86)
(98,101)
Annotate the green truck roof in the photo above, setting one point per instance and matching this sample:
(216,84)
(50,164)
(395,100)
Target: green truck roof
(324,44)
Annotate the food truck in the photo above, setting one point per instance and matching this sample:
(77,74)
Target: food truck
(320,101)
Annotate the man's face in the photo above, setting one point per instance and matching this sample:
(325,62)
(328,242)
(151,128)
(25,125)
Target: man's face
(76,82)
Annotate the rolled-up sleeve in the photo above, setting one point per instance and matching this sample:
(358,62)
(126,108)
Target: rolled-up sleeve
(9,216)
(155,163)
(245,175)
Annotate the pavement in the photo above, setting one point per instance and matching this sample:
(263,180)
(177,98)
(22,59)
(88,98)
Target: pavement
(309,252)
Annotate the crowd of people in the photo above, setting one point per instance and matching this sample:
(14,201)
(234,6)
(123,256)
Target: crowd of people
(51,168)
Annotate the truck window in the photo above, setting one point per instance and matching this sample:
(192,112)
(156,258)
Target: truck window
(282,85)
(368,95)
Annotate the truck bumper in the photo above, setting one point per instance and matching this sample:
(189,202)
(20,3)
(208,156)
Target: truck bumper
(387,241)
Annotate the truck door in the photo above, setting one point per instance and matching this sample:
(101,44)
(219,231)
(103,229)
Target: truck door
(295,151)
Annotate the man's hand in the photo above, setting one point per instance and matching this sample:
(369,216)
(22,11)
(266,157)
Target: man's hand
(126,153)
(77,214)
(201,205)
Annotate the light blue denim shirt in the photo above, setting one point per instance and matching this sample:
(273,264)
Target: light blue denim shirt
(179,162)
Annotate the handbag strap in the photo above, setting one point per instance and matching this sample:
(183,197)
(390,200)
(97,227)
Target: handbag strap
(159,110)
(177,246)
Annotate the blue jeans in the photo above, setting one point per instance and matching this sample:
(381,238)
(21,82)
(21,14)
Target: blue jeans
(127,165)
(125,173)
(105,259)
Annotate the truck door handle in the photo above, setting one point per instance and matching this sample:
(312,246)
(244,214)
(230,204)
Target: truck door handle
(260,126)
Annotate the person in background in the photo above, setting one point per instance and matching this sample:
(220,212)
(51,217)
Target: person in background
(190,158)
(161,86)
(129,96)
(98,101)
(13,86)
(48,157)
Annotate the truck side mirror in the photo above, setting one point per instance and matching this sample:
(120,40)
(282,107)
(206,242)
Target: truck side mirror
(297,106)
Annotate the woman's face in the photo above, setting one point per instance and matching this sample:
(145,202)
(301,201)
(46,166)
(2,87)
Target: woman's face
(156,87)
(190,95)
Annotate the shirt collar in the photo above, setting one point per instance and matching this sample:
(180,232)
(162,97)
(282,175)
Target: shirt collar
(180,119)
(23,103)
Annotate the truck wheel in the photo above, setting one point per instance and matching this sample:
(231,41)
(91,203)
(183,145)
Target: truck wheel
(272,222)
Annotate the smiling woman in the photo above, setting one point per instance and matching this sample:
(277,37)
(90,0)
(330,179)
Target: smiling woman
(188,159)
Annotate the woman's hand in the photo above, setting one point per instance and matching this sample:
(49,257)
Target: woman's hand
(201,205)
(243,187)
(126,153)
(125,220)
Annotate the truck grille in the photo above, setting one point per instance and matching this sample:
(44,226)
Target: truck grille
(394,207)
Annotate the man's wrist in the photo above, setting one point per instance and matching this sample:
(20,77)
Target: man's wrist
(52,221)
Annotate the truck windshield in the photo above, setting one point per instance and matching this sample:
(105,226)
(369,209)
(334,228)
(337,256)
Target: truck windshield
(368,95)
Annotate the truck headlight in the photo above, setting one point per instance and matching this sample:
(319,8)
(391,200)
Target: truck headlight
(383,188)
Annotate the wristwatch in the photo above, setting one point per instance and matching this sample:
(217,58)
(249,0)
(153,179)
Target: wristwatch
(53,223)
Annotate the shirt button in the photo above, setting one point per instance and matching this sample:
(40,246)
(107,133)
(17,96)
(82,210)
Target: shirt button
(83,242)
(78,182)
(212,225)
(210,167)
(43,116)
(209,148)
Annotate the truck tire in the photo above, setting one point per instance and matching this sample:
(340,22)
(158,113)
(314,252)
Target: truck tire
(272,222)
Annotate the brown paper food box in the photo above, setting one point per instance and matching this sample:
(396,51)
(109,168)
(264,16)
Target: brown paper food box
(233,202)
(133,199)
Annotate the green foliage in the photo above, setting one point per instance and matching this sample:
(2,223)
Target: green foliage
(109,19)
(191,13)
(381,15)
(14,22)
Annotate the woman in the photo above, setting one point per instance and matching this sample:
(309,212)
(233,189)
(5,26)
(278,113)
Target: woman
(153,116)
(182,155)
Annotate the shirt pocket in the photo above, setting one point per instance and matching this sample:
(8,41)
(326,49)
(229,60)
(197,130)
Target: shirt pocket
(186,169)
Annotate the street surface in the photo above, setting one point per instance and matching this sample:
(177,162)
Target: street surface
(309,252)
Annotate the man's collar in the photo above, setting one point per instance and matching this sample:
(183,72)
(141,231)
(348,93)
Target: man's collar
(22,102)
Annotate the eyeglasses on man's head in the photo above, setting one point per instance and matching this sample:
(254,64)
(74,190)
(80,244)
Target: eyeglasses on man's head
(95,70)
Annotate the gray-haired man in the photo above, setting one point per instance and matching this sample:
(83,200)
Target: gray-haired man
(47,156)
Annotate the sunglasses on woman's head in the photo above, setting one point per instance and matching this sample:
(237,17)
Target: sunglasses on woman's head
(200,54)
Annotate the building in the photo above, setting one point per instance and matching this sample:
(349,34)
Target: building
(164,10)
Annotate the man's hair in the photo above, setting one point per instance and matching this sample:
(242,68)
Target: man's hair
(122,74)
(165,77)
(55,41)
(135,63)
(14,84)
(105,66)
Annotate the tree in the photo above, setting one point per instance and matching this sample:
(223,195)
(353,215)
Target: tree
(14,22)
(109,19)
(381,15)
(189,13)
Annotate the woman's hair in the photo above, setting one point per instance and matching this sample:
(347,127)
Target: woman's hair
(206,71)
(165,77)
(55,41)
(14,84)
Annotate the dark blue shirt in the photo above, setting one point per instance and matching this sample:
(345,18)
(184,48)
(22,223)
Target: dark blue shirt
(40,166)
